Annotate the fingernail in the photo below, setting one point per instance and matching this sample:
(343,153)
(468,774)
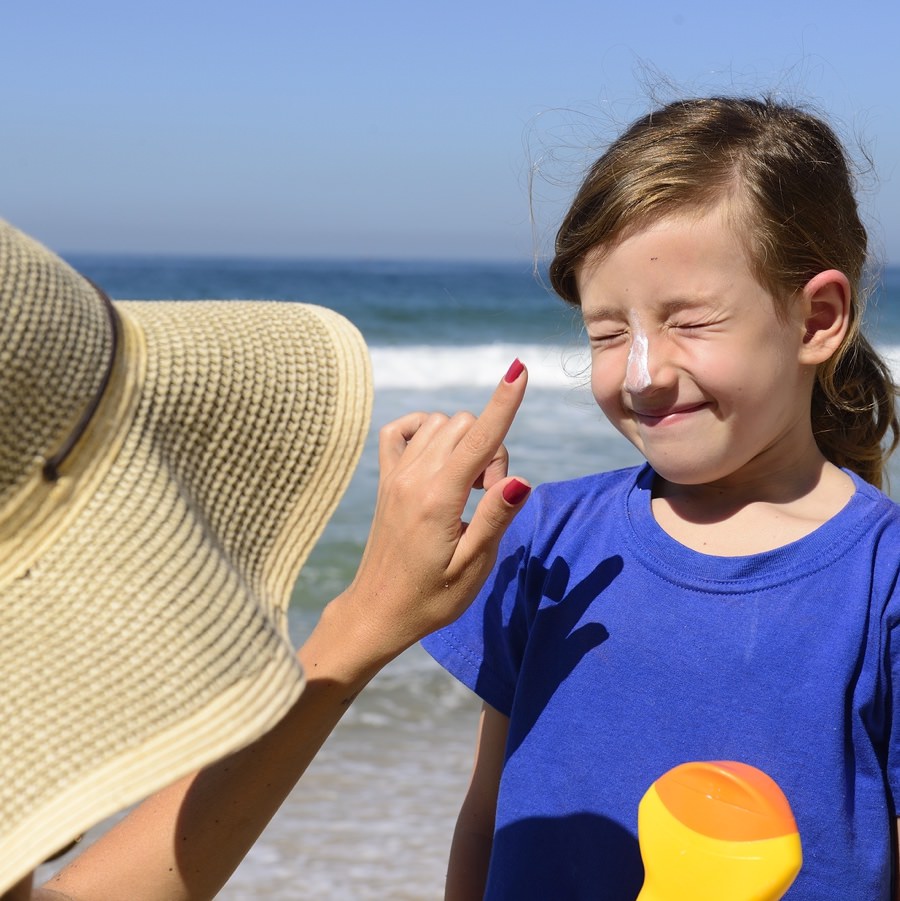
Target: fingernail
(514,371)
(515,492)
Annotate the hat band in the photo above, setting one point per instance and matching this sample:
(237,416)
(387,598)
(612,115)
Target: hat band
(51,466)
(42,508)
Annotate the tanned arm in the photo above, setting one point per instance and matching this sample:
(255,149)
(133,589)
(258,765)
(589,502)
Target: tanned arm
(470,851)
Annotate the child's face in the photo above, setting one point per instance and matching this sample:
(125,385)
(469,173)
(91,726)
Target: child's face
(688,358)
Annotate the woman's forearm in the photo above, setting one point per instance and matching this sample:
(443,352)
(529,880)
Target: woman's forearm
(185,841)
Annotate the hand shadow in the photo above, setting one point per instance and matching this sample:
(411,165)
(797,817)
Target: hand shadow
(555,625)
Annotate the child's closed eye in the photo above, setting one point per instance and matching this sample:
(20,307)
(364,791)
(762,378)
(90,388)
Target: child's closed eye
(606,339)
(689,327)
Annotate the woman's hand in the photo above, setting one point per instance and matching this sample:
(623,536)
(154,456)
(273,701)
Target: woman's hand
(423,565)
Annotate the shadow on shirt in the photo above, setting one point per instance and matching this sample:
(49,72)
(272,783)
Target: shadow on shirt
(565,619)
(574,856)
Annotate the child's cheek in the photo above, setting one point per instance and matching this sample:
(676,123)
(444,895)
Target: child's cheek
(607,379)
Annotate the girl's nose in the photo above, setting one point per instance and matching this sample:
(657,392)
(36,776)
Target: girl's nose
(649,366)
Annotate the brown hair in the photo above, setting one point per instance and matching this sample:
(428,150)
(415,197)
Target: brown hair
(788,175)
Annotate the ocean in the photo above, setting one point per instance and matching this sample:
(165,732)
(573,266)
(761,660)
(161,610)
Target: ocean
(373,817)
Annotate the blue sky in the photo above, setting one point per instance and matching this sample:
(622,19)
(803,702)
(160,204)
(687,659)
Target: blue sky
(394,128)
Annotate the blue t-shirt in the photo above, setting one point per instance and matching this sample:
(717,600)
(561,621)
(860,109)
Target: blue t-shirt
(618,653)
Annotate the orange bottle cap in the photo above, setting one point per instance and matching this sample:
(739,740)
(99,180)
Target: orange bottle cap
(726,800)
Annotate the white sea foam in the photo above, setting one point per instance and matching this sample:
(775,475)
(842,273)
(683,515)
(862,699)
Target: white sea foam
(441,366)
(424,366)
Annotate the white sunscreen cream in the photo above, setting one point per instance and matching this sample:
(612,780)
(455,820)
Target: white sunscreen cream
(637,370)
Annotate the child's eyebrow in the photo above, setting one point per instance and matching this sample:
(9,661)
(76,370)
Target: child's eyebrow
(665,309)
(601,314)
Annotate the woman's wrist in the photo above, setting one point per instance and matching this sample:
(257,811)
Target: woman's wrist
(349,645)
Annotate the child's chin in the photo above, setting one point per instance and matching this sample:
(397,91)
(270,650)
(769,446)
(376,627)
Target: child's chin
(684,472)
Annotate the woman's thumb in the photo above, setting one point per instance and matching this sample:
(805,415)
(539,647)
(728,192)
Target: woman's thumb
(494,513)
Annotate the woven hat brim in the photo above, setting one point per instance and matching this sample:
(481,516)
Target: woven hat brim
(149,638)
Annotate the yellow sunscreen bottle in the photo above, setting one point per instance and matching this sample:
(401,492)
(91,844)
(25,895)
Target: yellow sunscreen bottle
(717,831)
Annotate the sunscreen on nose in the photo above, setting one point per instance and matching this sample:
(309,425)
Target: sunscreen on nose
(637,370)
(716,830)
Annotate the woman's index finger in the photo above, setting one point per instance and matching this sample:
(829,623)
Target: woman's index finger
(479,446)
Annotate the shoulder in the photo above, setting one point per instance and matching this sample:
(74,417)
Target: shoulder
(869,527)
(880,513)
(559,512)
(602,486)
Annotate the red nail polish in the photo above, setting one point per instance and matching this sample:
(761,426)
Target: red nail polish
(515,492)
(514,371)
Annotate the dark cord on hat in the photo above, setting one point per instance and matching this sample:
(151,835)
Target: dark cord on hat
(52,464)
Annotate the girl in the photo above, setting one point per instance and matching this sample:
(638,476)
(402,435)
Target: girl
(736,597)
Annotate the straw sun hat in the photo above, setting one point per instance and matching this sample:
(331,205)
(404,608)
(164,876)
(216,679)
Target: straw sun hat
(165,469)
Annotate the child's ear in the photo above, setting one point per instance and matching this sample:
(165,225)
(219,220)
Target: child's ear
(826,300)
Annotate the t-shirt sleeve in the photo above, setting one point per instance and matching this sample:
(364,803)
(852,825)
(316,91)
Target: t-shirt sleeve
(893,706)
(889,699)
(484,647)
